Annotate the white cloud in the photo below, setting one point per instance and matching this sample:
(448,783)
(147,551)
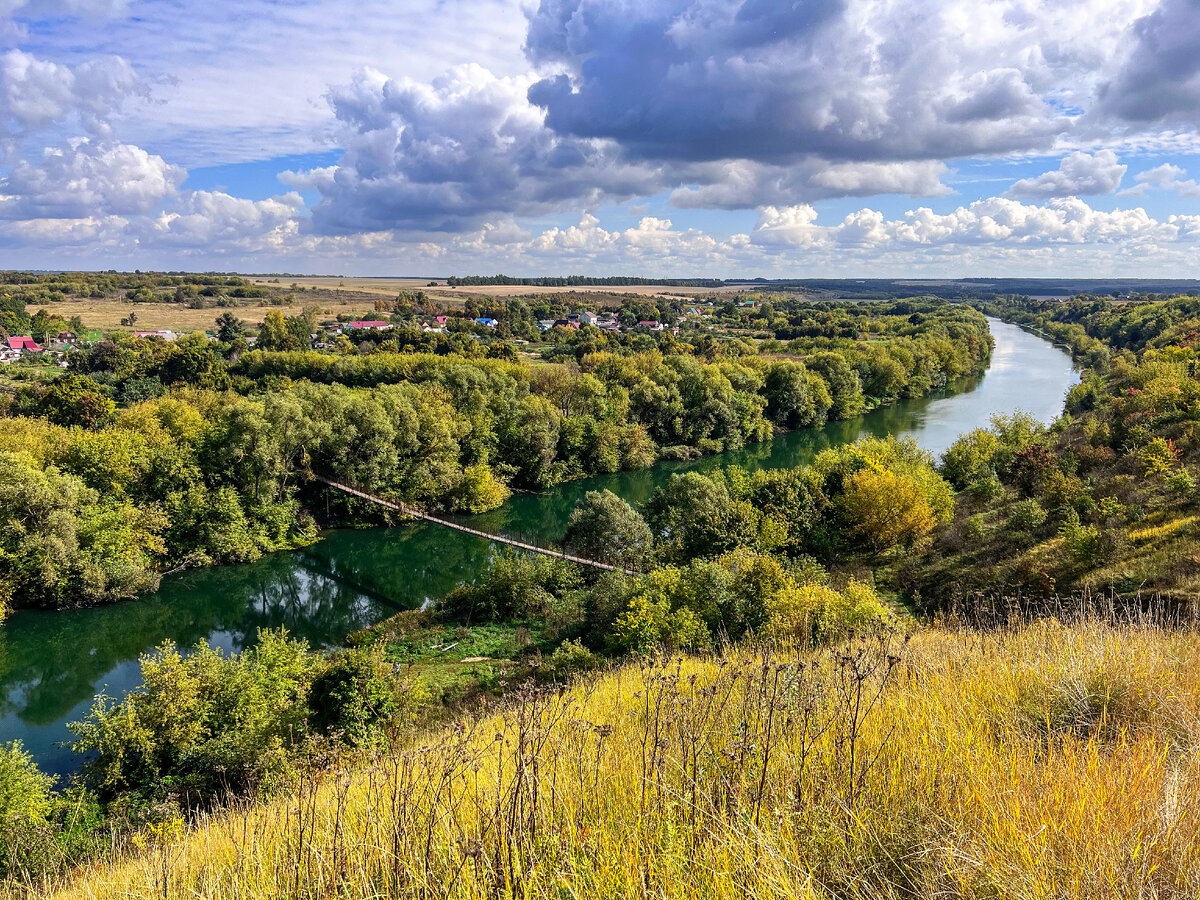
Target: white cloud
(445,155)
(996,221)
(36,93)
(88,178)
(1166,177)
(215,221)
(744,184)
(1079,174)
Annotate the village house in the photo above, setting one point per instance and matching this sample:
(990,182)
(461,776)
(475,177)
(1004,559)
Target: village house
(650,325)
(23,345)
(163,333)
(365,325)
(487,322)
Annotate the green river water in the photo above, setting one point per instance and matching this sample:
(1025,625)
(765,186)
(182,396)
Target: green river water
(53,663)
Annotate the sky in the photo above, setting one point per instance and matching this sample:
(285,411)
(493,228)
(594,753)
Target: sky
(671,138)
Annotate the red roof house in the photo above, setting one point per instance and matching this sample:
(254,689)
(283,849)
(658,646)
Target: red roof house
(364,325)
(23,343)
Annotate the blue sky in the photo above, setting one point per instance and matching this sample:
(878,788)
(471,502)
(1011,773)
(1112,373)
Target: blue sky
(650,137)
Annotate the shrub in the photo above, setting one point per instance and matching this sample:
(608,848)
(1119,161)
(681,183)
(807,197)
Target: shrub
(570,658)
(355,698)
(814,612)
(1027,515)
(201,724)
(25,803)
(975,527)
(1181,482)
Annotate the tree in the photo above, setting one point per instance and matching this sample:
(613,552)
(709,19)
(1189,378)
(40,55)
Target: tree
(604,527)
(886,509)
(230,327)
(274,333)
(76,400)
(844,385)
(690,516)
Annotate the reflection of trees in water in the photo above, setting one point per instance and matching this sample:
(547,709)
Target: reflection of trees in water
(58,659)
(50,662)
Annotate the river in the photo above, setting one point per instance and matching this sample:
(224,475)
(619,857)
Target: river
(53,663)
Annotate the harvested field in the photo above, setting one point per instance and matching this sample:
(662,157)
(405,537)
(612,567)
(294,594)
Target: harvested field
(106,315)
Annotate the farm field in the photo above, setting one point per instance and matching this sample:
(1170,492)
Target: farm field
(106,315)
(389,287)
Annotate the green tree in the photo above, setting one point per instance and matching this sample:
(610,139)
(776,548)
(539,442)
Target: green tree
(274,333)
(229,328)
(844,385)
(692,515)
(76,400)
(606,528)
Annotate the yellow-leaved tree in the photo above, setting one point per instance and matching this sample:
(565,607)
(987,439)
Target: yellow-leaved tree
(886,509)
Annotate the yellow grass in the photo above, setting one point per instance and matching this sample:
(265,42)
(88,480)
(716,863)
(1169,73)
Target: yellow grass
(106,315)
(1158,532)
(1049,761)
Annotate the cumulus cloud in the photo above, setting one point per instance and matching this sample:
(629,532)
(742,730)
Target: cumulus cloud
(1079,174)
(744,184)
(1160,78)
(723,79)
(995,221)
(1166,177)
(88,178)
(443,156)
(214,219)
(36,93)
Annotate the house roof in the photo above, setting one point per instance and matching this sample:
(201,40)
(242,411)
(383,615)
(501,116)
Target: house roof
(375,323)
(22,343)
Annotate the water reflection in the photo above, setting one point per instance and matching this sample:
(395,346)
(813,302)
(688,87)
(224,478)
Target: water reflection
(51,664)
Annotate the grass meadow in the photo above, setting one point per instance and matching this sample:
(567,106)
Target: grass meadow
(1044,760)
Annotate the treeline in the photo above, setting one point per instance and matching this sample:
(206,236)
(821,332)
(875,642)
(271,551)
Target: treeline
(1105,501)
(581,281)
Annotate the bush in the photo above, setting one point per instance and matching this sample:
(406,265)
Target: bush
(25,804)
(975,528)
(570,658)
(1181,482)
(1026,515)
(201,725)
(355,698)
(813,613)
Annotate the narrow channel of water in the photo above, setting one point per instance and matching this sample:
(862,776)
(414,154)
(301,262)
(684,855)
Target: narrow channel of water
(52,664)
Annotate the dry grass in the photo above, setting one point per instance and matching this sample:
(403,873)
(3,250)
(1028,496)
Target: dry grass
(389,287)
(383,287)
(106,315)
(1048,761)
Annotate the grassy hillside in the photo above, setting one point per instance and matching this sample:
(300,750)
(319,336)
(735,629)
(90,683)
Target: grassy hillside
(1046,760)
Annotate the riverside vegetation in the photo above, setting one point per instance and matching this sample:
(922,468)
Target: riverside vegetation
(147,456)
(756,727)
